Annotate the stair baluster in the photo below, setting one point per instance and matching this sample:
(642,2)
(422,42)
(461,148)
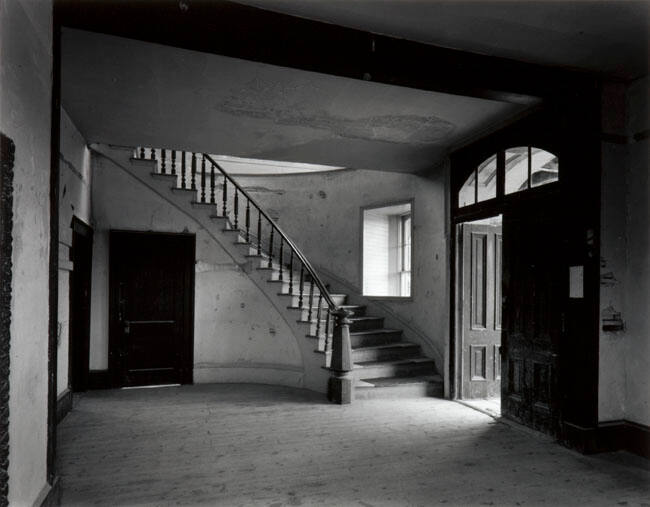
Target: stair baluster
(174,162)
(311,298)
(183,170)
(224,206)
(212,182)
(248,220)
(163,166)
(280,257)
(302,285)
(142,152)
(271,248)
(318,314)
(328,343)
(153,154)
(193,175)
(236,210)
(203,179)
(259,232)
(291,272)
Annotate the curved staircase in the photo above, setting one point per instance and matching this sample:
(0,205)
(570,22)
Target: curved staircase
(382,364)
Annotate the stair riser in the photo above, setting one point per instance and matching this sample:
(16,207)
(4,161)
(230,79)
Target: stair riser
(366,324)
(369,340)
(359,356)
(429,389)
(395,370)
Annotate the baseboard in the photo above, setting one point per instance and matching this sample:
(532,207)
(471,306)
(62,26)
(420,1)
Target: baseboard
(282,375)
(638,439)
(63,405)
(99,379)
(50,496)
(608,436)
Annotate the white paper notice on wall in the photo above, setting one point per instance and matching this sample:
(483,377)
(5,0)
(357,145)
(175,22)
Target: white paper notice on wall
(576,282)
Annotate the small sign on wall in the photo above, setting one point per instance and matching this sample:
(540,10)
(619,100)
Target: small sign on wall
(576,282)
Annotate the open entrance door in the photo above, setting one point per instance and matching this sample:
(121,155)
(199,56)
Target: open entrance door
(533,273)
(480,306)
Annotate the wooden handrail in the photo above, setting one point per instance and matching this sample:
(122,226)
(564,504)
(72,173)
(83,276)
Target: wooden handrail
(297,252)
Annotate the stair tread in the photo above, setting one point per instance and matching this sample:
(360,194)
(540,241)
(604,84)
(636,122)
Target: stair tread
(382,330)
(396,345)
(365,317)
(372,364)
(306,295)
(371,383)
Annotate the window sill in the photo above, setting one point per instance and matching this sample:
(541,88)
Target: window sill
(404,299)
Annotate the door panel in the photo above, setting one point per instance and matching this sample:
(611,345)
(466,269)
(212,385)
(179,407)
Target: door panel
(533,262)
(152,315)
(481,317)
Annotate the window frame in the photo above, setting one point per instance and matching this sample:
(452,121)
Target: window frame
(471,167)
(378,205)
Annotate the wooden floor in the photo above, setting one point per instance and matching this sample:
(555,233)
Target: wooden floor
(259,445)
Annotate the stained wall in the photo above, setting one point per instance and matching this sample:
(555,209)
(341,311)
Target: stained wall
(624,378)
(238,334)
(25,116)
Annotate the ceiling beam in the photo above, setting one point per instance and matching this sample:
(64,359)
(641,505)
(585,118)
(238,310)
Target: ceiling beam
(240,31)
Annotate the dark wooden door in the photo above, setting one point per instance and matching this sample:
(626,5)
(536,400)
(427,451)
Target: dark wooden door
(481,310)
(152,285)
(80,279)
(534,285)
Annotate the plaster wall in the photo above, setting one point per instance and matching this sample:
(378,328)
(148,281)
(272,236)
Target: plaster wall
(637,293)
(321,213)
(25,116)
(624,381)
(74,200)
(238,335)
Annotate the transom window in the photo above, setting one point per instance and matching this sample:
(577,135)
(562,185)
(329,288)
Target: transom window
(524,167)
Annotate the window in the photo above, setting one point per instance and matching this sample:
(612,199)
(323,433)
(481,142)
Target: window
(486,180)
(524,167)
(405,255)
(516,169)
(387,250)
(544,167)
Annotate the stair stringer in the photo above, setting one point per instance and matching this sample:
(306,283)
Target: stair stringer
(315,376)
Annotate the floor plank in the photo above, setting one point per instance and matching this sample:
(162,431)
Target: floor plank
(235,445)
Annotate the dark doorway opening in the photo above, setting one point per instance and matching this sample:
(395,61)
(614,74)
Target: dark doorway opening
(151,308)
(80,284)
(479,275)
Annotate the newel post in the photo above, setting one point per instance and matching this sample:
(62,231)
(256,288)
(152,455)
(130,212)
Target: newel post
(340,383)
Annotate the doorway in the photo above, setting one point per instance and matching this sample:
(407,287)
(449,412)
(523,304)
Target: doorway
(479,287)
(151,308)
(80,280)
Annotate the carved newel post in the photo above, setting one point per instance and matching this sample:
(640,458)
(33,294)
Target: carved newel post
(340,384)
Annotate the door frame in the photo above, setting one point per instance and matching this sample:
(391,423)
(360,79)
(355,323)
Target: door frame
(569,129)
(187,361)
(7,152)
(79,369)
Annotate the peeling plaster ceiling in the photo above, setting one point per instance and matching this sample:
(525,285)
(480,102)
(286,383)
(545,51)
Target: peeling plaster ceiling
(128,92)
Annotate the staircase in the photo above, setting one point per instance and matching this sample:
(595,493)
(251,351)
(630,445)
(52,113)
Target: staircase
(383,365)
